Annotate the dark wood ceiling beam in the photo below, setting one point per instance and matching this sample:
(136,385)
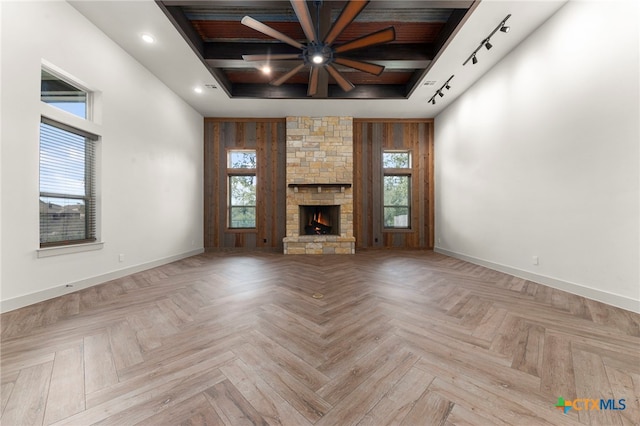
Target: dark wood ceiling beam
(378,4)
(299,91)
(233,50)
(392,52)
(240,64)
(229,3)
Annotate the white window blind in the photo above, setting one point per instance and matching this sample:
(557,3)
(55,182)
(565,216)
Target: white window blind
(67,184)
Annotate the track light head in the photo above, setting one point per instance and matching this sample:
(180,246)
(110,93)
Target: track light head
(488,44)
(447,86)
(504,28)
(440,93)
(433,101)
(474,60)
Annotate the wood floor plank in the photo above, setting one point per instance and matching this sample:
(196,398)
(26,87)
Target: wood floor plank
(273,408)
(592,383)
(5,393)
(231,406)
(431,409)
(162,400)
(558,377)
(28,399)
(400,337)
(401,399)
(625,386)
(66,391)
(191,412)
(124,345)
(353,407)
(297,367)
(100,370)
(194,364)
(303,399)
(529,352)
(351,379)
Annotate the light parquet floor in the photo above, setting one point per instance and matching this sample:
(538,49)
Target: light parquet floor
(400,337)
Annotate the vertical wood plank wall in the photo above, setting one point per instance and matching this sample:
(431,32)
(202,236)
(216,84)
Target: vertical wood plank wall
(370,138)
(267,137)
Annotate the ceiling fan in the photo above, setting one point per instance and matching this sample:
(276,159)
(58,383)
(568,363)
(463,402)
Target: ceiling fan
(321,53)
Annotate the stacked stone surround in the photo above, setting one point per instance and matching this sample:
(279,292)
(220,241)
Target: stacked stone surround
(319,151)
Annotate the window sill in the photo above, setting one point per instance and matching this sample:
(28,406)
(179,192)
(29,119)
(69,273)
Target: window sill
(77,248)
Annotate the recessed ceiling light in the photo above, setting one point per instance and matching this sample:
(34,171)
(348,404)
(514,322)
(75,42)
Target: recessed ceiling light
(197,89)
(266,69)
(148,38)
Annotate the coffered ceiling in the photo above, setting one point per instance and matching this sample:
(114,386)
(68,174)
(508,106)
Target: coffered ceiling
(418,31)
(199,45)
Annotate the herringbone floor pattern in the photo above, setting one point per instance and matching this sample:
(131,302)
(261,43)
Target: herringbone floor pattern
(400,337)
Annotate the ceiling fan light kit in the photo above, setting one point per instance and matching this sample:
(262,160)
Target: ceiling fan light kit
(322,54)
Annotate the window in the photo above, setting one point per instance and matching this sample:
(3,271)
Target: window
(396,189)
(67,185)
(63,95)
(67,193)
(241,173)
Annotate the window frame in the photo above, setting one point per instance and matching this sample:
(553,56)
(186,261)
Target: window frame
(398,172)
(89,197)
(87,128)
(240,171)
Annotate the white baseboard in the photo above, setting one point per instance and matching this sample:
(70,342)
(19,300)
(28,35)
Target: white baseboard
(573,288)
(50,293)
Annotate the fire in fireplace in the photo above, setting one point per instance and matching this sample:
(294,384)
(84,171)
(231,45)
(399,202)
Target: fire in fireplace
(319,220)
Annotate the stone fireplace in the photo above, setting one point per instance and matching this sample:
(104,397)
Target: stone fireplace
(319,186)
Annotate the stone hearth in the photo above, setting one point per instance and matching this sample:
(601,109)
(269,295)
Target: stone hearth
(319,172)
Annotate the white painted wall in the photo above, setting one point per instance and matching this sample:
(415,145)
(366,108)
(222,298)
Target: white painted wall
(541,158)
(150,156)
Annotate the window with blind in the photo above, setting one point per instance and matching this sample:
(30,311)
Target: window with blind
(67,169)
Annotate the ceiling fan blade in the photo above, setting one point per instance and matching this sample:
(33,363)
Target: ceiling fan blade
(278,81)
(383,36)
(313,81)
(348,14)
(304,17)
(360,66)
(274,57)
(344,84)
(265,29)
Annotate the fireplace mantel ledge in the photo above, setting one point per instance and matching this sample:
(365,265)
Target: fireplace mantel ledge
(319,185)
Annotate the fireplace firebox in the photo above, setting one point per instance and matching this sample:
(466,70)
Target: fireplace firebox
(319,220)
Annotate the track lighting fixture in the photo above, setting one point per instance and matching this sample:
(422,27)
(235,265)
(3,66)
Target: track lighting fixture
(486,43)
(440,92)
